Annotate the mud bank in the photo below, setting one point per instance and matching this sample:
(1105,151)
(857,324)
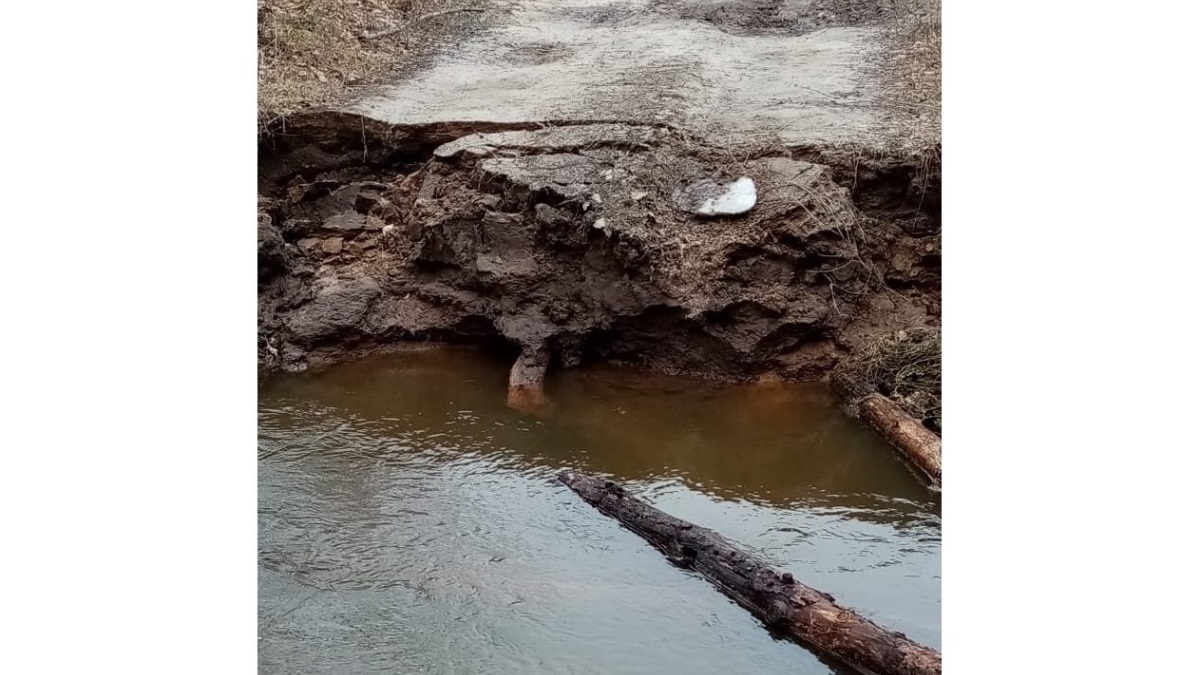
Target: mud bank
(560,243)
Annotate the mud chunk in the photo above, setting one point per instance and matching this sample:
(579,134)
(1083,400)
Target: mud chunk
(336,310)
(322,200)
(351,222)
(525,380)
(429,188)
(708,197)
(565,175)
(385,211)
(292,358)
(557,228)
(272,258)
(548,215)
(551,139)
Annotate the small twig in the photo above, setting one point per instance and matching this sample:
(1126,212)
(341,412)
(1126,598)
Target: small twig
(419,19)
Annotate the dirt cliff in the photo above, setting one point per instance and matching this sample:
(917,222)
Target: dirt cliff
(564,242)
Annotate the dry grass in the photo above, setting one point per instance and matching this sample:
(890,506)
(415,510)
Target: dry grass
(913,75)
(310,51)
(906,367)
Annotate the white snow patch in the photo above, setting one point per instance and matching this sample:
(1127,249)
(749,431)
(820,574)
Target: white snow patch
(709,198)
(740,196)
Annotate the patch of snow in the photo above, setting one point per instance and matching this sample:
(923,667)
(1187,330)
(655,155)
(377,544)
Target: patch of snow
(710,198)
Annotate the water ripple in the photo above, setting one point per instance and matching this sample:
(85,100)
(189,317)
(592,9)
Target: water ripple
(400,532)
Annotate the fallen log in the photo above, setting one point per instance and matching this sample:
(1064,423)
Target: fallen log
(805,614)
(920,446)
(917,444)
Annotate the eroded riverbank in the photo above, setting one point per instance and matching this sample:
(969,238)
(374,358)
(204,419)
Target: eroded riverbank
(564,243)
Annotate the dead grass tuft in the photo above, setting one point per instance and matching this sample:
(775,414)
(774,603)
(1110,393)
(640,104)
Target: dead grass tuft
(904,366)
(913,75)
(310,51)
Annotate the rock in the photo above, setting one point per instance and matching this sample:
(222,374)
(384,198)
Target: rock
(638,195)
(711,198)
(337,309)
(332,245)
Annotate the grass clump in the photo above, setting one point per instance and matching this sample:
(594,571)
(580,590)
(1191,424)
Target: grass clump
(906,367)
(913,72)
(310,51)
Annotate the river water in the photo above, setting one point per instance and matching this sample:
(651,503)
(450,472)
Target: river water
(409,521)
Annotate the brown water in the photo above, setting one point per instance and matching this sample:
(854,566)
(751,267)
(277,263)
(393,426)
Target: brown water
(409,521)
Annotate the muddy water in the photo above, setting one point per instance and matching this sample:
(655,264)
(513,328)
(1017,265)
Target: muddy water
(409,522)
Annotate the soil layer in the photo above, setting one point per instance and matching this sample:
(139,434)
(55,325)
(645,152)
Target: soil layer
(561,242)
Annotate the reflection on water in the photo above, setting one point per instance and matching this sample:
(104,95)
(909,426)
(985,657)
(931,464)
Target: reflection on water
(409,521)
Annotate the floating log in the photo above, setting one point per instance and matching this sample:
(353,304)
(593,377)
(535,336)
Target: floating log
(805,614)
(918,445)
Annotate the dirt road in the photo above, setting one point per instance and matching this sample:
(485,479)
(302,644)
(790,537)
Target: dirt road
(788,72)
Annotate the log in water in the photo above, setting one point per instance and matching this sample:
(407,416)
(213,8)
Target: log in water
(403,505)
(806,614)
(919,445)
